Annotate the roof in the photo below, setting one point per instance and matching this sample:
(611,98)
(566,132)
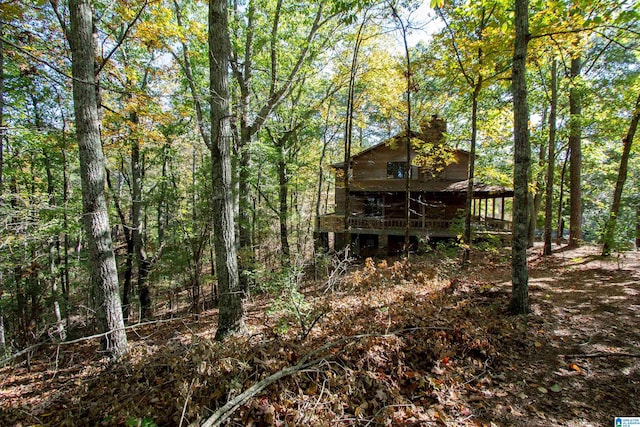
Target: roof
(340,165)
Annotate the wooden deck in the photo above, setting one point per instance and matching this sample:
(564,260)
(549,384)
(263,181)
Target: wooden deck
(418,226)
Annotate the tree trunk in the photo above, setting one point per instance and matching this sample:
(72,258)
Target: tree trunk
(575,160)
(519,303)
(563,174)
(137,232)
(53,245)
(104,273)
(283,208)
(548,207)
(638,228)
(407,189)
(348,129)
(2,337)
(535,199)
(471,172)
(1,113)
(610,227)
(230,319)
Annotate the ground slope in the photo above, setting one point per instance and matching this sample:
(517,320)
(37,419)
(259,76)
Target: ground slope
(395,343)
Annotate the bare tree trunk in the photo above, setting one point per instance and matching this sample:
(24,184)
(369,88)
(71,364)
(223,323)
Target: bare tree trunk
(407,189)
(519,303)
(283,208)
(637,228)
(231,313)
(610,227)
(575,162)
(53,276)
(471,171)
(563,173)
(548,207)
(348,130)
(104,273)
(2,337)
(137,232)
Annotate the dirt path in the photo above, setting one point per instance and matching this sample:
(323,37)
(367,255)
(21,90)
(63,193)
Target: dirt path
(581,363)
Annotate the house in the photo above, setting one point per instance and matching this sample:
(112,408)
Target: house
(435,183)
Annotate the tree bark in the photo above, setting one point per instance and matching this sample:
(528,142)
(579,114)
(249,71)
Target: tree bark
(104,273)
(548,207)
(563,174)
(283,207)
(638,228)
(627,142)
(519,303)
(230,319)
(2,337)
(575,159)
(348,130)
(137,232)
(471,171)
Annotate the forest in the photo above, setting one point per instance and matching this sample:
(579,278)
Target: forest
(165,165)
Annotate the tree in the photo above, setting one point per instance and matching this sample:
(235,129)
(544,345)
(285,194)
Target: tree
(519,303)
(575,154)
(258,97)
(230,319)
(627,141)
(548,209)
(473,42)
(96,220)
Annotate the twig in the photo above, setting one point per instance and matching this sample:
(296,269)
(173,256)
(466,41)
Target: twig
(186,402)
(27,350)
(224,412)
(596,355)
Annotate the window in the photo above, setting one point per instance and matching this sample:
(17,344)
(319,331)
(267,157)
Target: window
(397,170)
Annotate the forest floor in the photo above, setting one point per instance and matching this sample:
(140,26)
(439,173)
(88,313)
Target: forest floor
(395,343)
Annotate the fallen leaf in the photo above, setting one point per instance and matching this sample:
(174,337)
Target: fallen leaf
(555,388)
(543,390)
(575,367)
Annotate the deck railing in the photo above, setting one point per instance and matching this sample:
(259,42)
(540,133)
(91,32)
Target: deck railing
(335,223)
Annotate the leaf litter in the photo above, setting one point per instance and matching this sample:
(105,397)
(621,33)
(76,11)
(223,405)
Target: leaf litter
(400,343)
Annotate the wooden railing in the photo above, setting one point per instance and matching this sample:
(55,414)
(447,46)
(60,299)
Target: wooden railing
(335,223)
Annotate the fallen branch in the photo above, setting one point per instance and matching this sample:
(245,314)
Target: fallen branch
(224,412)
(34,347)
(597,355)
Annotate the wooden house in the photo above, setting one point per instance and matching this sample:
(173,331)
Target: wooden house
(376,196)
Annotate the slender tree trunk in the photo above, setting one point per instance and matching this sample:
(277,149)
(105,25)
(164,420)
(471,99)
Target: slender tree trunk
(548,207)
(519,303)
(2,136)
(471,171)
(348,130)
(137,232)
(283,207)
(65,216)
(2,337)
(230,319)
(575,160)
(638,228)
(610,227)
(104,273)
(53,268)
(535,199)
(563,174)
(130,254)
(407,185)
